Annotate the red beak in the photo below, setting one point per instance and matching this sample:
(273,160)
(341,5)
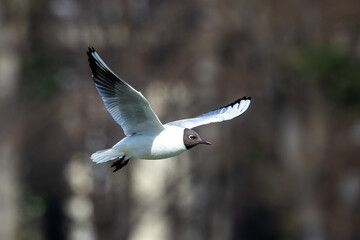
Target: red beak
(205,142)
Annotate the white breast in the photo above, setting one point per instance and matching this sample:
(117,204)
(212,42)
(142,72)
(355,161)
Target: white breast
(168,143)
(165,144)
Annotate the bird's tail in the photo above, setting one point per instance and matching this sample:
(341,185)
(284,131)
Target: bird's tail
(105,155)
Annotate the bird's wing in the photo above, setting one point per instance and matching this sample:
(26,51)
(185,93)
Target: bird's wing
(128,107)
(218,115)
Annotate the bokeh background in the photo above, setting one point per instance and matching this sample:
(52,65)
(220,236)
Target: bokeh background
(289,168)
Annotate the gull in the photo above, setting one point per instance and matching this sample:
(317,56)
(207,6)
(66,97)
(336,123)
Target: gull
(146,137)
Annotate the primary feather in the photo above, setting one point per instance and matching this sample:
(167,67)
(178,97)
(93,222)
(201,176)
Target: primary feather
(128,107)
(224,113)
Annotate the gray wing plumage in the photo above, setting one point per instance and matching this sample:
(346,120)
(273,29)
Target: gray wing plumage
(218,115)
(128,107)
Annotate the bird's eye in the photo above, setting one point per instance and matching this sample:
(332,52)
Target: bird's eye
(192,137)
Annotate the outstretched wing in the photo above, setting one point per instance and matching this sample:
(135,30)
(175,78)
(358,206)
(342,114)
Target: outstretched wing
(128,107)
(218,115)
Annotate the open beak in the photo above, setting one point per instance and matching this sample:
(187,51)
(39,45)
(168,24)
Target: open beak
(205,142)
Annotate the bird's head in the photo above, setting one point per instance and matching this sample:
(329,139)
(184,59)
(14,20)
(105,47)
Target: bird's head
(192,138)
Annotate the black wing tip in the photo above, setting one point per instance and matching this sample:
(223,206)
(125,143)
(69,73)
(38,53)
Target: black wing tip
(100,72)
(91,50)
(239,100)
(92,60)
(243,98)
(233,103)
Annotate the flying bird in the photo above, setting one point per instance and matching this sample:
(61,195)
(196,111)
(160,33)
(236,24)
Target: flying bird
(146,137)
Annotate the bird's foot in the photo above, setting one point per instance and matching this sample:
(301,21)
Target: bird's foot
(118,164)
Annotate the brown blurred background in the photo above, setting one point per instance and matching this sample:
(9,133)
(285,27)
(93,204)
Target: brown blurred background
(289,168)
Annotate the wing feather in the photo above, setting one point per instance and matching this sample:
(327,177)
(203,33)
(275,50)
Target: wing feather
(128,107)
(224,113)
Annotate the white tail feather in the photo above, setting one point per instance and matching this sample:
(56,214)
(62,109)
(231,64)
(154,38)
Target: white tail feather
(105,155)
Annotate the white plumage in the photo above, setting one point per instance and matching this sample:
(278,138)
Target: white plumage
(146,137)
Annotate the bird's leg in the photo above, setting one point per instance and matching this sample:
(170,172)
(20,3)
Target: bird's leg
(118,164)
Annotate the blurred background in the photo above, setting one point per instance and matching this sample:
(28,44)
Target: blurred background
(287,169)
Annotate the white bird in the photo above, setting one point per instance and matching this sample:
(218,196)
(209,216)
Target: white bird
(146,137)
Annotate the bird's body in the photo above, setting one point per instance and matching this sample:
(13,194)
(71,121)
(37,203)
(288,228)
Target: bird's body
(157,145)
(146,137)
